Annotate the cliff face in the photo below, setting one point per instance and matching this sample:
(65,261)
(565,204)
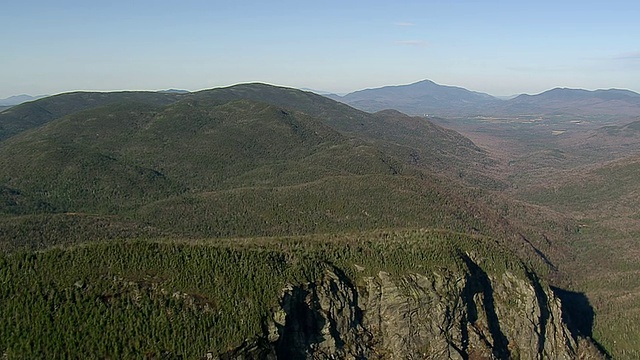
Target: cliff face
(442,315)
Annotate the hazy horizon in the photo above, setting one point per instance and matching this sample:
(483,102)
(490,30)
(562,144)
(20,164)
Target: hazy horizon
(320,91)
(499,48)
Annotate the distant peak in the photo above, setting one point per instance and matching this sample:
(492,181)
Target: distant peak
(174,91)
(565,89)
(425,81)
(19,99)
(600,93)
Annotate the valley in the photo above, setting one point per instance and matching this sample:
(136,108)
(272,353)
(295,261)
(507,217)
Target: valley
(588,173)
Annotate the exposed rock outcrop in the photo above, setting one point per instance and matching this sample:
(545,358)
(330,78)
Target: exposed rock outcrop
(441,315)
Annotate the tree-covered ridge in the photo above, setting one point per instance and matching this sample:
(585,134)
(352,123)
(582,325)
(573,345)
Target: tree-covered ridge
(228,162)
(122,156)
(413,140)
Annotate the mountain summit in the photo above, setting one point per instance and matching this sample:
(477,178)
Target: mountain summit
(420,98)
(18,99)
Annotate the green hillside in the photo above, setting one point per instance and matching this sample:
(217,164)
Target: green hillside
(216,165)
(118,157)
(414,140)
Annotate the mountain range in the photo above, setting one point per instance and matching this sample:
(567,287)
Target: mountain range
(19,99)
(426,98)
(563,101)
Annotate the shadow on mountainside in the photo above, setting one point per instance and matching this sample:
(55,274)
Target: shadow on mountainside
(578,314)
(480,283)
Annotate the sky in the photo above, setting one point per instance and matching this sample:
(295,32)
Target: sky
(497,47)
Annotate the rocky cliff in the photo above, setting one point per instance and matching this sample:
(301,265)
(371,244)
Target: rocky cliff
(439,315)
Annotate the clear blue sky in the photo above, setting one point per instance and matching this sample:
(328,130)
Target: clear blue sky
(499,47)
